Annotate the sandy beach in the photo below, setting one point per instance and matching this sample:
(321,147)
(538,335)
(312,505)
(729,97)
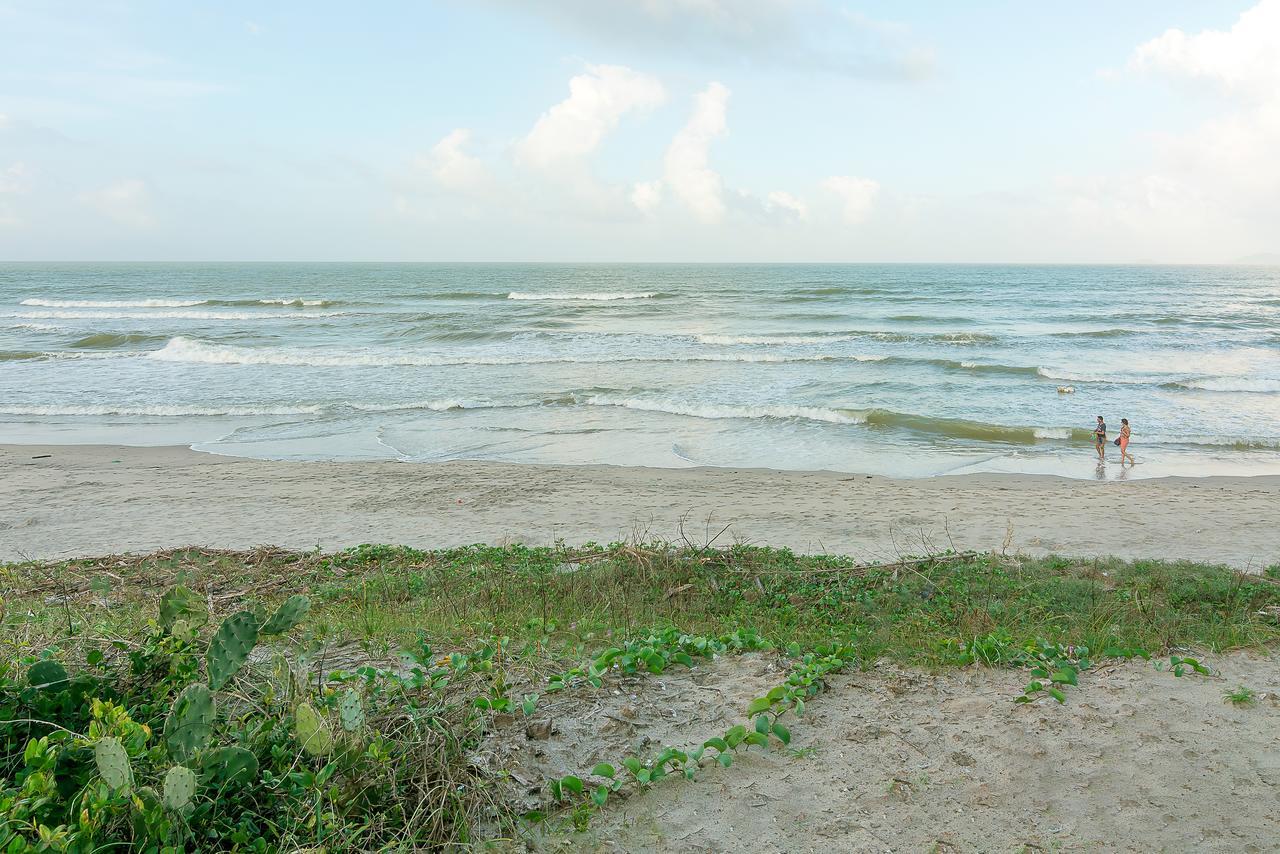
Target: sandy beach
(64,501)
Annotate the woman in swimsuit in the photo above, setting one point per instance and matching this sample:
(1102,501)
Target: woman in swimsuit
(1100,438)
(1124,442)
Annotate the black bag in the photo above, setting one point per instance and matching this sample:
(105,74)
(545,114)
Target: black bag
(1117,441)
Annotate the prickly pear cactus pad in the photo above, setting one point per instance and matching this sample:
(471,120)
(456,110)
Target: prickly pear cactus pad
(288,615)
(230,647)
(351,711)
(225,767)
(179,787)
(113,764)
(312,732)
(190,722)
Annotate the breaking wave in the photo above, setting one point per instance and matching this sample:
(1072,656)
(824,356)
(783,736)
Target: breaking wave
(584,297)
(182,349)
(158,411)
(1244,384)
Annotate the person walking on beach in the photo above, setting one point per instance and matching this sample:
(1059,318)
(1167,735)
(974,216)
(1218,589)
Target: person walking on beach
(1123,442)
(1100,439)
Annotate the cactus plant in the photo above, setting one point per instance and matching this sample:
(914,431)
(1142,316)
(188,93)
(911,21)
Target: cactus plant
(183,631)
(48,674)
(190,722)
(179,787)
(113,764)
(312,731)
(230,647)
(182,603)
(228,766)
(351,711)
(289,614)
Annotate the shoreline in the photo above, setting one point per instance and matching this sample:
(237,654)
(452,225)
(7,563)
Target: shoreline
(85,500)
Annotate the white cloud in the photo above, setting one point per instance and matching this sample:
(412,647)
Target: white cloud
(253,28)
(596,104)
(690,181)
(1245,58)
(687,170)
(127,202)
(857,196)
(647,195)
(451,165)
(782,202)
(1213,190)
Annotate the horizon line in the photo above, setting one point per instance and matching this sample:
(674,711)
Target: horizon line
(619,262)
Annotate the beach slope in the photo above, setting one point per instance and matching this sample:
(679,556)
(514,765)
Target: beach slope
(64,501)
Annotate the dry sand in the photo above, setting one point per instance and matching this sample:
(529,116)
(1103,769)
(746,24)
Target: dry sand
(900,760)
(63,501)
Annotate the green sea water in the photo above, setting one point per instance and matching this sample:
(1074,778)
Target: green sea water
(905,370)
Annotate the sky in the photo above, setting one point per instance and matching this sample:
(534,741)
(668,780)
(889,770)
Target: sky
(641,130)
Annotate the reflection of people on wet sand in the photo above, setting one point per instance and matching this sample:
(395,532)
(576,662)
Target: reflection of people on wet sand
(1123,442)
(1100,438)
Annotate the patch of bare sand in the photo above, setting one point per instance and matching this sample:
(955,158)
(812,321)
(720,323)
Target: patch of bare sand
(67,501)
(901,760)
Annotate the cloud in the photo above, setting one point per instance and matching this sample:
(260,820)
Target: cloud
(647,195)
(13,180)
(1216,187)
(857,196)
(1244,59)
(799,34)
(783,203)
(127,202)
(597,102)
(686,169)
(689,180)
(451,166)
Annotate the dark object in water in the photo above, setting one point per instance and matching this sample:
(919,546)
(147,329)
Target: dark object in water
(42,456)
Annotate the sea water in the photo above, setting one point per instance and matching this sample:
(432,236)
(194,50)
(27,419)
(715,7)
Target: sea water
(904,370)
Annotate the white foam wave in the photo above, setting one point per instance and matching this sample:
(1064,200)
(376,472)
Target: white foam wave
(38,327)
(696,410)
(157,303)
(588,297)
(1235,442)
(182,349)
(1068,376)
(158,411)
(142,303)
(772,339)
(169,315)
(432,405)
(1052,432)
(1234,384)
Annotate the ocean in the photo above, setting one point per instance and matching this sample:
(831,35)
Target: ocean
(901,370)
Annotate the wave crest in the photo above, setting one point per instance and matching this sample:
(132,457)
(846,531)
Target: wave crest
(122,303)
(594,296)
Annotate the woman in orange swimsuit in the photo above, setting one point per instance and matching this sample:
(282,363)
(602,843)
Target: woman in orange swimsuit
(1124,442)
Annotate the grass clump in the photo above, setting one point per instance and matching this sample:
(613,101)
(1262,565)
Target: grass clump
(1241,696)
